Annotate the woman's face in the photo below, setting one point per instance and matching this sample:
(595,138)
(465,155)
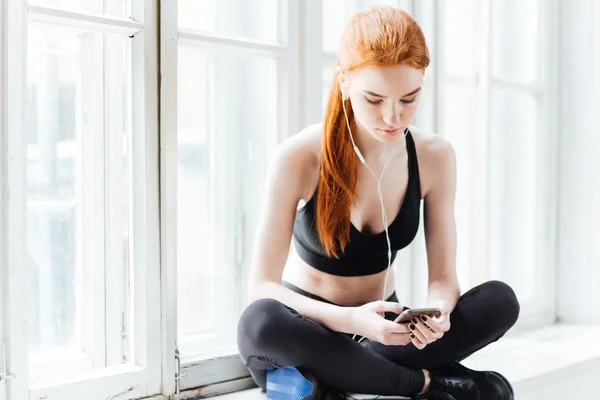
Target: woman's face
(384,99)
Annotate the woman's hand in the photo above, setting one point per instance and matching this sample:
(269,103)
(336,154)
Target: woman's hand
(427,330)
(369,321)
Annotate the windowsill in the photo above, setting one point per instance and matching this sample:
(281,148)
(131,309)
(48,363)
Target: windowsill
(531,360)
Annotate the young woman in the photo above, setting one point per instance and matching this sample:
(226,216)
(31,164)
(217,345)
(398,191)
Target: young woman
(320,322)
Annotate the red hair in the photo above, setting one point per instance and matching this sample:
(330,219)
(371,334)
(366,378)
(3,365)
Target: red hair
(381,37)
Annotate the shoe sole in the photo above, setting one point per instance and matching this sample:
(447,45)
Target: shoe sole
(495,373)
(287,383)
(505,381)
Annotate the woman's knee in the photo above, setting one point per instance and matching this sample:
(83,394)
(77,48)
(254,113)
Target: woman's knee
(506,307)
(259,321)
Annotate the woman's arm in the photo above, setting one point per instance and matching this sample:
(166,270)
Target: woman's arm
(285,186)
(440,225)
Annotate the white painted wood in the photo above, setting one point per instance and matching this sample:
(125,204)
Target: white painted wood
(96,384)
(237,388)
(425,15)
(479,139)
(219,368)
(90,198)
(14,195)
(116,218)
(83,21)
(57,362)
(3,247)
(145,169)
(142,377)
(545,307)
(533,89)
(311,65)
(217,42)
(168,190)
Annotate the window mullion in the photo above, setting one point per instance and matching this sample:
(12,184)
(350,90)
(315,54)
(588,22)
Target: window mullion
(536,89)
(480,151)
(168,61)
(84,21)
(14,178)
(117,337)
(547,167)
(90,174)
(311,63)
(144,218)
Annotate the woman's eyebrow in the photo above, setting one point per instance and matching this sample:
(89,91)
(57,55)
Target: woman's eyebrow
(384,97)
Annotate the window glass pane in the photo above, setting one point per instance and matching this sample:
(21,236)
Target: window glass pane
(328,76)
(337,13)
(513,177)
(117,8)
(458,37)
(53,175)
(77,209)
(515,40)
(256,19)
(227,118)
(457,128)
(195,249)
(366,4)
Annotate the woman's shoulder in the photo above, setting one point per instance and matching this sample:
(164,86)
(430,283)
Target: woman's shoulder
(304,146)
(428,143)
(301,153)
(435,154)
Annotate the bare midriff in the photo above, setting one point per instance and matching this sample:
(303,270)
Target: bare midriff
(341,290)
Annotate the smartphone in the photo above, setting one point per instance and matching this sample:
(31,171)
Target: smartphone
(411,313)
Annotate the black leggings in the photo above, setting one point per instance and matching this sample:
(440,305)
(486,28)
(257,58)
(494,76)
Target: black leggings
(272,335)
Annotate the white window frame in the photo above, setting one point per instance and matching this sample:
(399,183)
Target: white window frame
(14,206)
(224,365)
(142,377)
(413,280)
(543,309)
(97,309)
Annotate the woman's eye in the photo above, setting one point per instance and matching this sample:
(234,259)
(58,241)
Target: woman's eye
(402,101)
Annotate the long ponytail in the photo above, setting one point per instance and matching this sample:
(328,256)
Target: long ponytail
(381,37)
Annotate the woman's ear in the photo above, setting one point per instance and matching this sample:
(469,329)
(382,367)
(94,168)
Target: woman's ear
(342,82)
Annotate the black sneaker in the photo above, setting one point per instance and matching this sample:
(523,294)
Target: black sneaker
(455,368)
(466,384)
(435,396)
(327,393)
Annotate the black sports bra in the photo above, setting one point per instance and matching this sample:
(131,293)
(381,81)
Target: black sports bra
(364,254)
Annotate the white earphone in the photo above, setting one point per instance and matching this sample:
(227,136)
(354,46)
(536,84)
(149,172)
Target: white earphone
(356,149)
(379,190)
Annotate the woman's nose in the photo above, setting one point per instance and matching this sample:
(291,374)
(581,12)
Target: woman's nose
(392,115)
